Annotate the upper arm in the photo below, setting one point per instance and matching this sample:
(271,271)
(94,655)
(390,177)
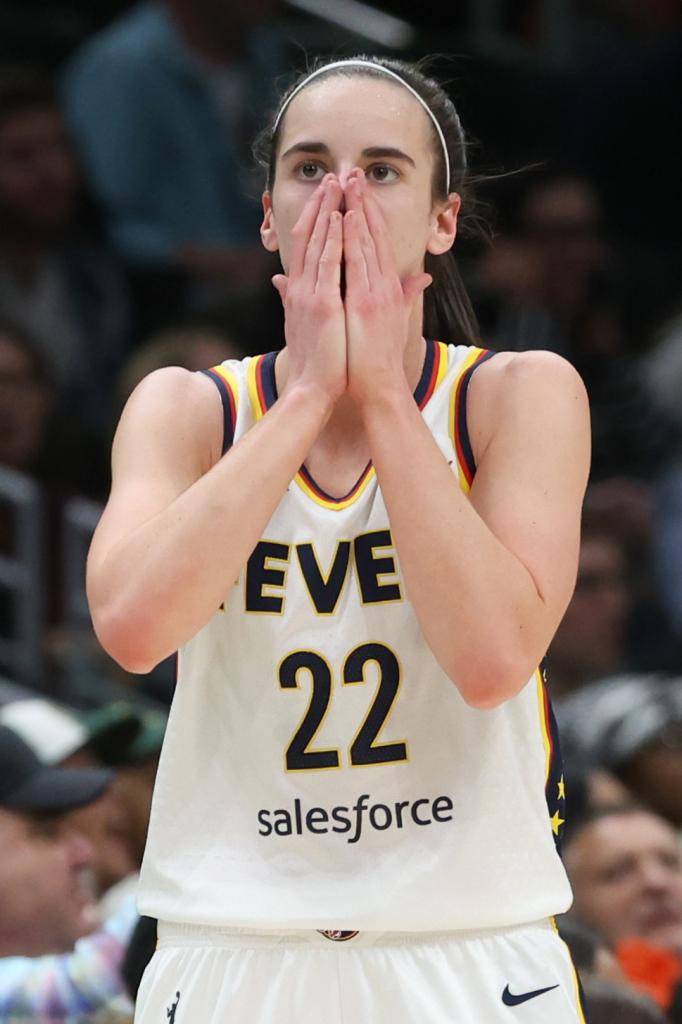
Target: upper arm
(530,432)
(169,435)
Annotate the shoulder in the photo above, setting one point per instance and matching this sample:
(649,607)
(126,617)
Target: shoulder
(182,407)
(505,386)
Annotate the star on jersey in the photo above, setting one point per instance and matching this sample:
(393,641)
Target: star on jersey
(557,822)
(562,788)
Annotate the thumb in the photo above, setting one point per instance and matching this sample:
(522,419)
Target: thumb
(413,287)
(281,283)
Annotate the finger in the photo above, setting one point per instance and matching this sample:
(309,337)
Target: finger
(413,287)
(356,192)
(356,266)
(303,227)
(330,202)
(329,266)
(352,189)
(367,243)
(281,284)
(376,223)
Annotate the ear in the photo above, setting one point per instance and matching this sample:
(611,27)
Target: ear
(268,231)
(444,226)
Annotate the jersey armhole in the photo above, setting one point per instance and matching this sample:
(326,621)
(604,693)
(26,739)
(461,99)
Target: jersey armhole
(227,386)
(459,430)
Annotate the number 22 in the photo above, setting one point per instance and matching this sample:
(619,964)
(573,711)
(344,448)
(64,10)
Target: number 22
(364,749)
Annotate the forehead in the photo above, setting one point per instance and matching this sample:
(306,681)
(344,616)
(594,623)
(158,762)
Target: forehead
(630,833)
(363,109)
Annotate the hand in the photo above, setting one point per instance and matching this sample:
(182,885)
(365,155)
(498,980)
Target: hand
(314,321)
(378,305)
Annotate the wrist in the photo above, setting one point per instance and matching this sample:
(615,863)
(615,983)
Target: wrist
(386,399)
(310,396)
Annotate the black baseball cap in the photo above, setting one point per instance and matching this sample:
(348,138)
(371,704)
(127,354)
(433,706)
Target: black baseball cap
(26,784)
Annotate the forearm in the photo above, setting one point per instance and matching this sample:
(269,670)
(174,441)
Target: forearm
(477,605)
(159,586)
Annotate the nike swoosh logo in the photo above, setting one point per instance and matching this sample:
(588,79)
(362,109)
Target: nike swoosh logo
(511,1000)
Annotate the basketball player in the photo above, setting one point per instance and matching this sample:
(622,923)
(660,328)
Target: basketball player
(361,547)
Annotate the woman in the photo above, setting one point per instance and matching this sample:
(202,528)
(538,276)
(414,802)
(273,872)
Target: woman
(359,758)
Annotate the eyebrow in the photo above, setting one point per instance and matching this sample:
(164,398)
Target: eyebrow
(373,152)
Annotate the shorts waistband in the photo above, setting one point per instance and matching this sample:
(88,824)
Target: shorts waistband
(174,934)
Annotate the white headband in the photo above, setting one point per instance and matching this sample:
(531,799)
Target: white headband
(383,70)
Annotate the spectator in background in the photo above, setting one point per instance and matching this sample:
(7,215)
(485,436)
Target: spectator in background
(58,736)
(194,347)
(631,727)
(589,952)
(554,281)
(624,866)
(610,1003)
(36,438)
(663,375)
(615,621)
(46,896)
(56,281)
(164,103)
(591,640)
(55,964)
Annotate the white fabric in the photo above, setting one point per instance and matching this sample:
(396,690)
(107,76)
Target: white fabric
(469,844)
(394,979)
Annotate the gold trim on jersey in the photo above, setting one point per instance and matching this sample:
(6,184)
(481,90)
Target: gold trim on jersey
(473,356)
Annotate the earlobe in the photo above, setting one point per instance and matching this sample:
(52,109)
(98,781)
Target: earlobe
(444,229)
(268,231)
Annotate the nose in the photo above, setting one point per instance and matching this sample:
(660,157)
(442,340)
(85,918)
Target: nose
(346,172)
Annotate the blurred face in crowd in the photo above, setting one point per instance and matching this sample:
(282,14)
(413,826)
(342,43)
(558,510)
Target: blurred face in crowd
(38,176)
(562,220)
(46,894)
(654,774)
(24,405)
(626,875)
(107,824)
(589,642)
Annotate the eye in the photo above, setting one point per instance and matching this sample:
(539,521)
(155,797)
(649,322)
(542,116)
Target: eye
(310,170)
(382,173)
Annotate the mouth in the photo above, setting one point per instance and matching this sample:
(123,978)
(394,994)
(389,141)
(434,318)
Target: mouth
(662,917)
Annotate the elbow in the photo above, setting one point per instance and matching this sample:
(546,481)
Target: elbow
(487,685)
(125,640)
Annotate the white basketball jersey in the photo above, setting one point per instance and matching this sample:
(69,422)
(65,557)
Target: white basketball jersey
(320,770)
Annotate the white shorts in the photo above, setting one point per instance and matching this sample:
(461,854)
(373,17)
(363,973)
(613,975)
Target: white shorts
(521,975)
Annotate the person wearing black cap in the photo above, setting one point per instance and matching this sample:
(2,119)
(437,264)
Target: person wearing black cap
(56,963)
(45,866)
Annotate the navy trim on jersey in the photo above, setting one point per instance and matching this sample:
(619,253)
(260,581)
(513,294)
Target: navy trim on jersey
(425,379)
(462,429)
(228,423)
(268,379)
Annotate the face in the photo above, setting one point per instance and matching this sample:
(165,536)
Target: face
(24,406)
(391,143)
(38,178)
(591,635)
(627,878)
(45,885)
(106,823)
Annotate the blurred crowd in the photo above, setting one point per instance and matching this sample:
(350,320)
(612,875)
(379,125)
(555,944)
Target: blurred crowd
(129,215)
